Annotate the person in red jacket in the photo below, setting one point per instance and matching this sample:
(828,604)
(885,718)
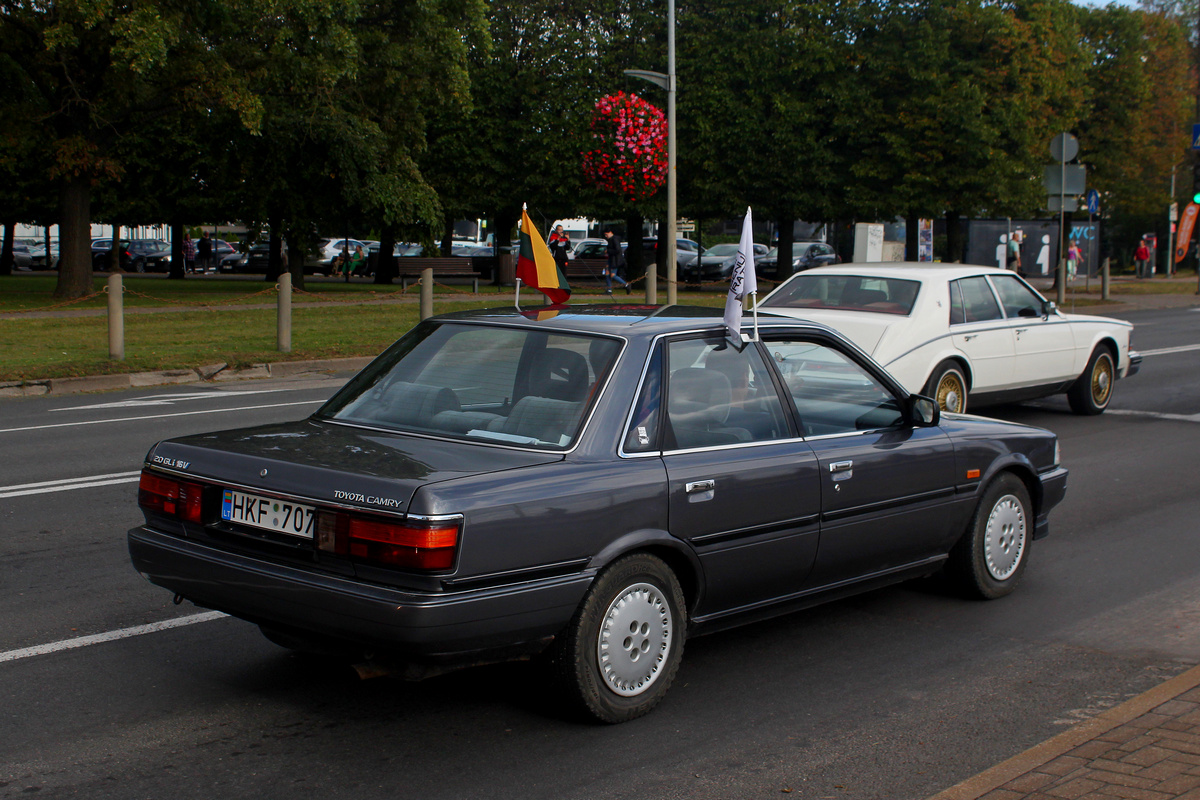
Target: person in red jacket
(1141,258)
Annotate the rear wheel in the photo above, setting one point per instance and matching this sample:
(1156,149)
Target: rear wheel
(1090,394)
(990,558)
(621,650)
(948,386)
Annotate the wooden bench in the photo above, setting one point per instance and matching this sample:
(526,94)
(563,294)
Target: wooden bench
(448,267)
(585,269)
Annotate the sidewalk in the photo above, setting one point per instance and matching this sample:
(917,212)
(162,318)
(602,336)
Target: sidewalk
(1147,748)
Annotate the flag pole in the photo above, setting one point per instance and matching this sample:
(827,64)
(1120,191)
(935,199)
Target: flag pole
(754,307)
(517,297)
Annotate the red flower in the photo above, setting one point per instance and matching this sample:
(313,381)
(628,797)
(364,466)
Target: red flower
(631,138)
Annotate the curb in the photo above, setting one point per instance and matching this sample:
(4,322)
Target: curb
(206,373)
(976,787)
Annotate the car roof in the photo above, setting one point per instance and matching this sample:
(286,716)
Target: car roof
(628,320)
(911,270)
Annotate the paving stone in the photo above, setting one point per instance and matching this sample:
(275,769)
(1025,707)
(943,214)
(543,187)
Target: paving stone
(1074,789)
(1147,756)
(1030,781)
(1063,765)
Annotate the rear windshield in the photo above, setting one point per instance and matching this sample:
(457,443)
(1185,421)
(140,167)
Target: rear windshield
(848,292)
(491,384)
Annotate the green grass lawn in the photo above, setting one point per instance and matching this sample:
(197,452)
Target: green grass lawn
(55,347)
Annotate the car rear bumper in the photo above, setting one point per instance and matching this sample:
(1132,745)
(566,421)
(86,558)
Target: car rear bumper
(437,627)
(1054,488)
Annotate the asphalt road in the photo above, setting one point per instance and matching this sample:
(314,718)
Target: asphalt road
(894,694)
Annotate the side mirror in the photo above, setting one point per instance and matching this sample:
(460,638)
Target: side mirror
(1048,308)
(925,411)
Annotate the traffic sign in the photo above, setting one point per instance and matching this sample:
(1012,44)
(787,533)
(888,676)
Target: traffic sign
(1093,201)
(1064,147)
(1075,176)
(685,226)
(1056,203)
(1196,137)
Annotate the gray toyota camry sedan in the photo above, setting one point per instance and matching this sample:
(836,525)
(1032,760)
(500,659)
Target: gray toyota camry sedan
(591,486)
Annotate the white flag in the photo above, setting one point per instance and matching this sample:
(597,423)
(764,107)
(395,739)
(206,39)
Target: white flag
(742,282)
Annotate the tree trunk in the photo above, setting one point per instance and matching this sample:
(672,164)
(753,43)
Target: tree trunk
(178,261)
(114,255)
(6,251)
(447,243)
(49,255)
(74,240)
(295,261)
(912,224)
(635,266)
(954,237)
(784,249)
(274,253)
(385,262)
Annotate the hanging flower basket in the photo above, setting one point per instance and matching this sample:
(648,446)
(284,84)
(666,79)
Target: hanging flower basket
(629,147)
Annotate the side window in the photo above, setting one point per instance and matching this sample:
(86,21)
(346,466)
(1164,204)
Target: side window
(833,393)
(642,436)
(1018,299)
(957,316)
(719,396)
(979,304)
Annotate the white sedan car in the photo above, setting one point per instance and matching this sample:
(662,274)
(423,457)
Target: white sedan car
(962,333)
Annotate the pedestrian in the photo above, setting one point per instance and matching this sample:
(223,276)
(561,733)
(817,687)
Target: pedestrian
(357,261)
(1074,257)
(616,262)
(204,252)
(560,247)
(189,253)
(1014,250)
(1141,258)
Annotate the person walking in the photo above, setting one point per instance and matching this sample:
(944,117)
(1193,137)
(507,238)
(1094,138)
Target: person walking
(1074,257)
(560,248)
(1141,258)
(204,252)
(616,261)
(189,253)
(1014,250)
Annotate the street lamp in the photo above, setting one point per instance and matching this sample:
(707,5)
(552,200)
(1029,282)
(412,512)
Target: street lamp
(666,82)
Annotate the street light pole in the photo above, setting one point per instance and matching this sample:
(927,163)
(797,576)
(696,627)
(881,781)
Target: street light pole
(666,82)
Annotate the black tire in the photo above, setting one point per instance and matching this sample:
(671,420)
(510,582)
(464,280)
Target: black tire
(948,386)
(1089,395)
(619,654)
(990,558)
(139,265)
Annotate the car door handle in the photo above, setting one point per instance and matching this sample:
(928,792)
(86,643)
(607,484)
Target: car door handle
(699,486)
(1021,330)
(841,466)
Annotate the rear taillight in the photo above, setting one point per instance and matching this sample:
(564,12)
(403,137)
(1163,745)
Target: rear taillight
(170,497)
(410,544)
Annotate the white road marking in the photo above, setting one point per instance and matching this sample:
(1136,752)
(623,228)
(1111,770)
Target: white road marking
(157,416)
(1162,351)
(168,399)
(66,484)
(1129,412)
(110,636)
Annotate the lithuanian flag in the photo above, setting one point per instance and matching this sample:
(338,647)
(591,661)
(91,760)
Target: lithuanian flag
(536,267)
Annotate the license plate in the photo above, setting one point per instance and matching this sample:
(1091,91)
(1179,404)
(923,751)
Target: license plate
(268,513)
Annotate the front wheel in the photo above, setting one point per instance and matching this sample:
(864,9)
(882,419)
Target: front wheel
(622,648)
(948,385)
(990,558)
(139,265)
(1090,394)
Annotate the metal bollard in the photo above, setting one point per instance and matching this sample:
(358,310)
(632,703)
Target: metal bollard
(116,318)
(283,328)
(475,286)
(1104,280)
(427,293)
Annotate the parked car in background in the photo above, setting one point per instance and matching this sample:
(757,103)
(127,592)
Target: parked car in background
(805,255)
(258,258)
(136,255)
(226,257)
(965,335)
(715,263)
(327,251)
(39,255)
(592,486)
(22,255)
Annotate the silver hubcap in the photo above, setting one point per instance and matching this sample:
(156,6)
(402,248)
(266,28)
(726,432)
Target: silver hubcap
(1004,540)
(635,639)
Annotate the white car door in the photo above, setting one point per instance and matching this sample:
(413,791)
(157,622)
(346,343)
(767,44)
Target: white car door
(979,330)
(1044,346)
